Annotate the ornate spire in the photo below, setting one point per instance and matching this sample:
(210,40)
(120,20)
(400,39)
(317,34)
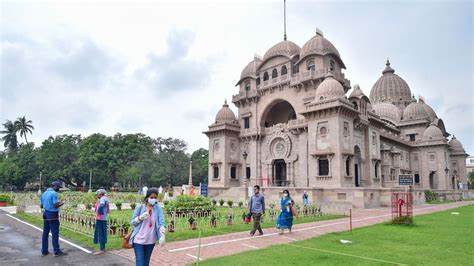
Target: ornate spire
(284,20)
(225,103)
(388,69)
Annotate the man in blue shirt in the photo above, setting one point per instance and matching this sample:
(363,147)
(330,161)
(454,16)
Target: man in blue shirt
(257,209)
(51,205)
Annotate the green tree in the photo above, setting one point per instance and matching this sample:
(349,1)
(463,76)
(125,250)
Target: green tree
(10,140)
(19,168)
(94,154)
(24,127)
(57,159)
(200,159)
(172,162)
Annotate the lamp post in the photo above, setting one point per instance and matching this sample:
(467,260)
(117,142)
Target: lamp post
(446,170)
(190,181)
(90,181)
(244,174)
(39,190)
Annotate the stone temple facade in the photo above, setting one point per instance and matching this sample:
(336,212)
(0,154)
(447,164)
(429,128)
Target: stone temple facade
(301,125)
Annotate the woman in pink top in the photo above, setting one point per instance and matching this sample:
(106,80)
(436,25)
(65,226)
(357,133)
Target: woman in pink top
(149,223)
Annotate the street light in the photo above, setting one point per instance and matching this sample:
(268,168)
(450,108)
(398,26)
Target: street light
(244,155)
(190,182)
(39,190)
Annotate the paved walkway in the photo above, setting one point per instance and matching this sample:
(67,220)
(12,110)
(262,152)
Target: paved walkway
(185,252)
(20,244)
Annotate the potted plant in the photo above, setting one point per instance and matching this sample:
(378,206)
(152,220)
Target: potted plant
(230,218)
(171,226)
(4,200)
(221,202)
(213,221)
(118,204)
(192,223)
(241,204)
(230,203)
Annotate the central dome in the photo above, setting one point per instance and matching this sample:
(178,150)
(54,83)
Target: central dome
(283,48)
(390,88)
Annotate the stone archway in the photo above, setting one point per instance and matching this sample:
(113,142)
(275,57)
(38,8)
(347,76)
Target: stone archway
(279,111)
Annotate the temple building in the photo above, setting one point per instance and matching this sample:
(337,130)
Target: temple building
(301,125)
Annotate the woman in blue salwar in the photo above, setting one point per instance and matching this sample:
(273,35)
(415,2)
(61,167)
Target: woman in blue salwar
(285,219)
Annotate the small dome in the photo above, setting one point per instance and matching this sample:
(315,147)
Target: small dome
(433,133)
(390,88)
(251,69)
(283,48)
(329,88)
(357,92)
(387,111)
(225,114)
(419,110)
(320,46)
(456,144)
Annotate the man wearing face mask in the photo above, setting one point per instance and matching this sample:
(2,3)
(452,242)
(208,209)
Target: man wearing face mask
(50,204)
(149,223)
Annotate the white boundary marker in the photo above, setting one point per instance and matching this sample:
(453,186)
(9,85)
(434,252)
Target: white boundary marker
(250,246)
(344,254)
(293,239)
(194,257)
(65,241)
(302,229)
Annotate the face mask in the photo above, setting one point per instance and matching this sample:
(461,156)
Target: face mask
(285,195)
(152,201)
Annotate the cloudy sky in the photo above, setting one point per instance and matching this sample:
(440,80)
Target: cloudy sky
(165,68)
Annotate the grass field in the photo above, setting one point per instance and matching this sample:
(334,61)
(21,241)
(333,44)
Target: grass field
(116,242)
(435,239)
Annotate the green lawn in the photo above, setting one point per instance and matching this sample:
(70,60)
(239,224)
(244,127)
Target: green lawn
(439,201)
(436,239)
(116,242)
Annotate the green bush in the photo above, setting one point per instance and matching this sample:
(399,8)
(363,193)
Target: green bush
(214,202)
(133,205)
(430,195)
(230,203)
(221,202)
(5,198)
(241,204)
(186,204)
(118,204)
(402,220)
(89,206)
(89,198)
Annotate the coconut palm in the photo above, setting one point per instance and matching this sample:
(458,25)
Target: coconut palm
(24,127)
(9,139)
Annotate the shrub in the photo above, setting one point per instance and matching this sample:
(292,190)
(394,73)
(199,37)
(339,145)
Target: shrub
(221,202)
(186,204)
(241,204)
(133,205)
(89,206)
(131,197)
(4,198)
(402,220)
(430,195)
(119,205)
(230,203)
(88,198)
(214,202)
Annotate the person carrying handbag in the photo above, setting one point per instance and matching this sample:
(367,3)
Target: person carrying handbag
(149,222)
(256,209)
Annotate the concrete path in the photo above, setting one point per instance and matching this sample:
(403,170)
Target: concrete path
(185,252)
(20,244)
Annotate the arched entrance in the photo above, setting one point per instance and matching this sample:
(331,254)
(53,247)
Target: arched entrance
(279,111)
(279,172)
(357,166)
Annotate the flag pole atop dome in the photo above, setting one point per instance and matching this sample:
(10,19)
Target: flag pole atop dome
(284,20)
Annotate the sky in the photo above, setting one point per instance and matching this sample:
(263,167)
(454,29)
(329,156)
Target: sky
(164,68)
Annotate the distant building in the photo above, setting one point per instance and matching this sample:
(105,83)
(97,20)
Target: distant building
(469,164)
(301,125)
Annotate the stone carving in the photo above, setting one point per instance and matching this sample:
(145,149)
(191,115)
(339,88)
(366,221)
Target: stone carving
(279,145)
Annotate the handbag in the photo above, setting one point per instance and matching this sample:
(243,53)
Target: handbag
(248,218)
(126,237)
(293,210)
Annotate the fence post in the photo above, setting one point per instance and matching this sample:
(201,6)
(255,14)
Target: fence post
(350,219)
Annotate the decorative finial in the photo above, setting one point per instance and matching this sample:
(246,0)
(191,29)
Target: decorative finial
(225,103)
(388,69)
(421,99)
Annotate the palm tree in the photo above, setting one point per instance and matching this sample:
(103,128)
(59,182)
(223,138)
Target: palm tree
(24,127)
(9,139)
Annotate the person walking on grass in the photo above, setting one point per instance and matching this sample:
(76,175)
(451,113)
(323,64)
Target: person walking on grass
(50,206)
(149,223)
(305,198)
(285,219)
(256,209)
(101,211)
